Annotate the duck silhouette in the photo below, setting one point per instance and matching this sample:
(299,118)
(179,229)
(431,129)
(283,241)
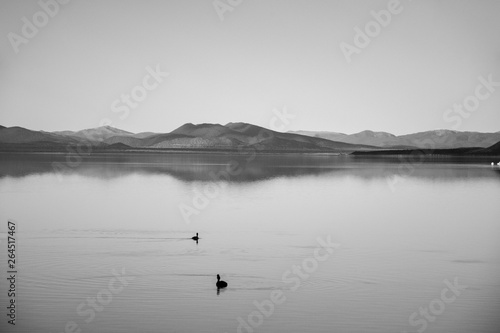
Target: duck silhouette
(195,237)
(220,284)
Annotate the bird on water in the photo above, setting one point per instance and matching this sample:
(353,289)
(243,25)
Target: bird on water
(220,284)
(195,237)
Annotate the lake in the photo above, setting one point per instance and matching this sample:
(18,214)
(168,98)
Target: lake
(307,243)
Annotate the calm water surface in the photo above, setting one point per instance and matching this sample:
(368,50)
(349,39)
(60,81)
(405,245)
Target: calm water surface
(400,232)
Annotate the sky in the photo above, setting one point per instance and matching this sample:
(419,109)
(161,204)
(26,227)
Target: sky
(342,66)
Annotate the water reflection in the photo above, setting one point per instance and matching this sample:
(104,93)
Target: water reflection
(240,168)
(122,212)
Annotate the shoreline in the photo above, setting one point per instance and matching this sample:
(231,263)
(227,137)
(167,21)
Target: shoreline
(414,153)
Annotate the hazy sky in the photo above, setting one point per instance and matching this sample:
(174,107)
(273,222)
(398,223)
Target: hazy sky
(263,55)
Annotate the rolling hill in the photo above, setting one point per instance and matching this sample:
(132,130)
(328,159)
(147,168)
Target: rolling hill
(17,134)
(233,136)
(437,139)
(95,134)
(243,136)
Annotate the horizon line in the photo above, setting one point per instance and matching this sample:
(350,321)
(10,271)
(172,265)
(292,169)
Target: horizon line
(233,122)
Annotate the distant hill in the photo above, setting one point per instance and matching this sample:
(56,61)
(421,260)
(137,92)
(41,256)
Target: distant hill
(451,139)
(437,139)
(233,136)
(243,136)
(17,135)
(143,134)
(96,134)
(492,150)
(380,139)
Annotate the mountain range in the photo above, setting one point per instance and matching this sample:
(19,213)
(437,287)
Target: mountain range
(242,136)
(232,136)
(437,139)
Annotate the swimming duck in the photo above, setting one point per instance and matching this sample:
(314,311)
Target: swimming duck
(220,284)
(195,237)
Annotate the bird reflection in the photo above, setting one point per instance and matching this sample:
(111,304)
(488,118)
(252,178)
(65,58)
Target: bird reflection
(195,238)
(219,290)
(220,284)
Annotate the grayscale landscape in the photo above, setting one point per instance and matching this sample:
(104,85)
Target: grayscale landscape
(250,166)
